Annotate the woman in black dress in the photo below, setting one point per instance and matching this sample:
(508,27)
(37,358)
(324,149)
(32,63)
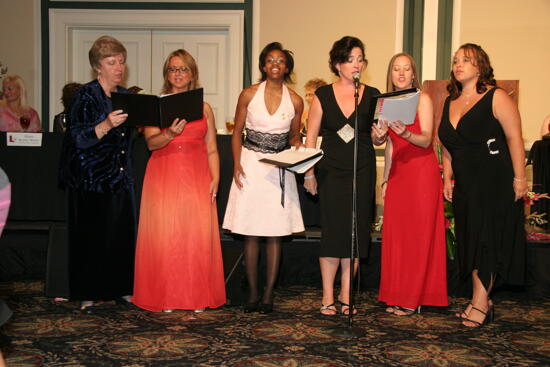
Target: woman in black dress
(332,113)
(483,150)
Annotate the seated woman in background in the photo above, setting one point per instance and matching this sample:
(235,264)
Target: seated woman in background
(178,256)
(67,96)
(309,88)
(413,266)
(15,114)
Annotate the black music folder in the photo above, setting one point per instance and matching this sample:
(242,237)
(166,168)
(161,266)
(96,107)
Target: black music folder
(294,159)
(398,105)
(153,110)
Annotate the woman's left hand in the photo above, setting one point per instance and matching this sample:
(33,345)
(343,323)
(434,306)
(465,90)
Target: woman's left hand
(213,191)
(520,188)
(176,128)
(398,127)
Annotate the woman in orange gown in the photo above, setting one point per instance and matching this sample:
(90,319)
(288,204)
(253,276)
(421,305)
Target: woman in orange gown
(178,256)
(413,236)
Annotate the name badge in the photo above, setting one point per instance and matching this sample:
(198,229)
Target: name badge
(346,133)
(24,139)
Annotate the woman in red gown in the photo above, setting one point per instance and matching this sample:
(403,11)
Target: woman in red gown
(413,235)
(178,256)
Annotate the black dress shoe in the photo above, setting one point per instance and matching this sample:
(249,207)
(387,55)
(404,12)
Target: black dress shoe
(250,307)
(266,308)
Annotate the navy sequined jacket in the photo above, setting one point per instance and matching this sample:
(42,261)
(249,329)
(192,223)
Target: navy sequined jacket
(92,164)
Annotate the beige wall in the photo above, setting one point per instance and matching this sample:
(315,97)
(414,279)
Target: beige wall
(18,48)
(516,36)
(310,27)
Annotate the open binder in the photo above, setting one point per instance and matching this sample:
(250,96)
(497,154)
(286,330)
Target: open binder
(295,160)
(153,110)
(400,105)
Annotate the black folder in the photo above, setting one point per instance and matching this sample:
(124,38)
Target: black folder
(152,110)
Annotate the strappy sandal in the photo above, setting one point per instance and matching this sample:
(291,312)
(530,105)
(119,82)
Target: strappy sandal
(331,308)
(405,311)
(345,311)
(489,316)
(460,314)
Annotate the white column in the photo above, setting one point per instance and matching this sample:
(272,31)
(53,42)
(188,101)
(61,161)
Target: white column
(429,49)
(457,15)
(399,22)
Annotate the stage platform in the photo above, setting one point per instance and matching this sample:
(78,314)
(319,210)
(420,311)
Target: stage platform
(28,253)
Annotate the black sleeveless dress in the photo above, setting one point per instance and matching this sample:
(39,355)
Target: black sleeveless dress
(489,224)
(335,176)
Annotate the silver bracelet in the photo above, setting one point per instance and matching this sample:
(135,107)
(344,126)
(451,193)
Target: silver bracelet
(309,177)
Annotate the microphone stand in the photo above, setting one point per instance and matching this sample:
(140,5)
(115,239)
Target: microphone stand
(351,331)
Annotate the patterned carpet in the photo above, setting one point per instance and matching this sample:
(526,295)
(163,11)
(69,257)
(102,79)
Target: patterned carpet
(45,333)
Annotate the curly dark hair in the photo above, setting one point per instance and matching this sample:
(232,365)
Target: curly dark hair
(68,93)
(341,49)
(480,59)
(288,56)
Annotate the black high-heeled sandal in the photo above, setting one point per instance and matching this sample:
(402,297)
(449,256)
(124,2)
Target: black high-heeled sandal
(406,311)
(331,308)
(345,312)
(489,317)
(459,314)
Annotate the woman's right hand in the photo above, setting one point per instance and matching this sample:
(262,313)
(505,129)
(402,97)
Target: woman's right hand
(310,184)
(238,172)
(384,186)
(116,118)
(448,190)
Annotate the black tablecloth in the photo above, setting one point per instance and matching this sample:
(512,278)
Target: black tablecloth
(539,156)
(32,172)
(36,197)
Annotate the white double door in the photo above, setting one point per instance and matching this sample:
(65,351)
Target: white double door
(147,50)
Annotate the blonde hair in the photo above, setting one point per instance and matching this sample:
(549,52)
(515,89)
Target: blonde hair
(191,64)
(389,83)
(21,85)
(315,83)
(105,46)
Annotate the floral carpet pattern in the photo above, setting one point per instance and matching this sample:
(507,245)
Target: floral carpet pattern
(47,333)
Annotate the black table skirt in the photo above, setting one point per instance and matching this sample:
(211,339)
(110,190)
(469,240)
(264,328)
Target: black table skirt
(36,197)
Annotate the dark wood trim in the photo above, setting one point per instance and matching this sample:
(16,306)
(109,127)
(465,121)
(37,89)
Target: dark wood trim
(413,31)
(444,39)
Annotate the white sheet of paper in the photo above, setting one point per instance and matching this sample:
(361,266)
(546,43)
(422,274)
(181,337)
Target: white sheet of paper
(402,109)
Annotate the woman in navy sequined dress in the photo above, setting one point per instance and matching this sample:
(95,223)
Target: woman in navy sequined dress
(95,170)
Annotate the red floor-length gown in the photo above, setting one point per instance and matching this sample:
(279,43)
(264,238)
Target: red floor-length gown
(178,256)
(413,235)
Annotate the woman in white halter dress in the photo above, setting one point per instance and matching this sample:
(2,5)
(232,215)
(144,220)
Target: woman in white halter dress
(263,201)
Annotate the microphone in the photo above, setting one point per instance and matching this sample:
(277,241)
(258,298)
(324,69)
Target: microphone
(356,79)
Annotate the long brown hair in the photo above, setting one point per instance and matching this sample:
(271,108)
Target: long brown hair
(191,64)
(480,59)
(389,83)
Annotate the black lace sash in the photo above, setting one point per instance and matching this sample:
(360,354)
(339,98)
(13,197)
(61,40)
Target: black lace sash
(268,143)
(265,142)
